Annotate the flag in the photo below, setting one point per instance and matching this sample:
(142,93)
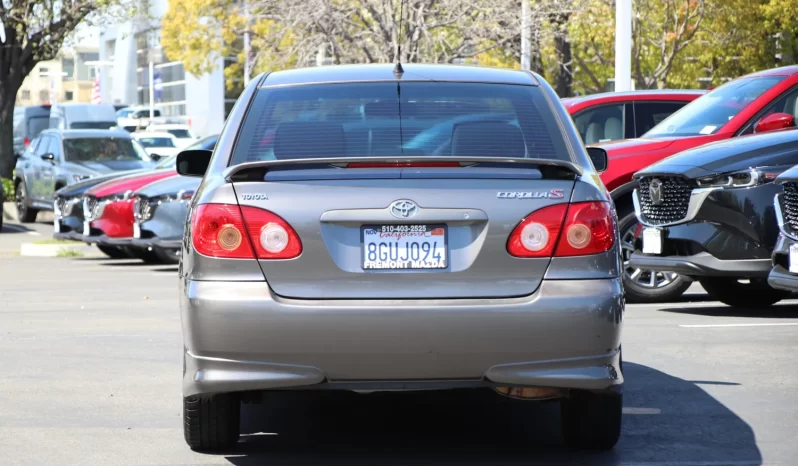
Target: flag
(157,82)
(96,98)
(52,91)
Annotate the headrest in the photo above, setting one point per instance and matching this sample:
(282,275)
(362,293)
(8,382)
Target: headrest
(309,139)
(488,139)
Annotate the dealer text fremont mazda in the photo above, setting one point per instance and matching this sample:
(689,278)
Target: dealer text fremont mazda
(332,257)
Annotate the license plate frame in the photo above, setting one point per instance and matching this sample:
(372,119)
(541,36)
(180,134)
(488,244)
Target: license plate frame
(653,240)
(408,230)
(792,259)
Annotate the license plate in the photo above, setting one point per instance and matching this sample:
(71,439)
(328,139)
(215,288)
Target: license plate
(56,226)
(86,228)
(404,247)
(136,230)
(793,265)
(652,241)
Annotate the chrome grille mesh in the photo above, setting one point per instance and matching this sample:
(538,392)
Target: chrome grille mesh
(789,205)
(674,199)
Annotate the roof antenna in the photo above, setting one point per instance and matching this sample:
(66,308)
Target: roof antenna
(398,70)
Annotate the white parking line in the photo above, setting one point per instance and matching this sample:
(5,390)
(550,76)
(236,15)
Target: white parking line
(34,233)
(642,411)
(765,324)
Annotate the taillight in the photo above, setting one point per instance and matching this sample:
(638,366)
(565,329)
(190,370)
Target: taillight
(537,234)
(230,231)
(589,229)
(564,230)
(26,141)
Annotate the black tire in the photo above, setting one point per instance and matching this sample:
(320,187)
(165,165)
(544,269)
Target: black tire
(114,252)
(25,213)
(591,421)
(754,294)
(167,256)
(211,422)
(636,282)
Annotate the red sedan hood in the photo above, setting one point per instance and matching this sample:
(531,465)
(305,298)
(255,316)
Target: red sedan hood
(130,182)
(626,146)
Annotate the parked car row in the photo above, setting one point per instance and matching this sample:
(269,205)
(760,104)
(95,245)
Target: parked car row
(138,214)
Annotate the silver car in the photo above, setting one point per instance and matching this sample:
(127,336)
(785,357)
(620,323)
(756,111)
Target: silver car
(323,253)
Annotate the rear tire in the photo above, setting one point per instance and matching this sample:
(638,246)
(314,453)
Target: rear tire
(756,293)
(113,252)
(638,283)
(25,213)
(591,421)
(211,422)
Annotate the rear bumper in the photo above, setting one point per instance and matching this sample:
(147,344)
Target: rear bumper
(69,235)
(702,264)
(238,336)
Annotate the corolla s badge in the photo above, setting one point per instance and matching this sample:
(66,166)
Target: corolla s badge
(655,191)
(552,194)
(403,209)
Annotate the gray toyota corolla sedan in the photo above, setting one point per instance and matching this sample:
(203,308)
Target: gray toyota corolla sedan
(322,252)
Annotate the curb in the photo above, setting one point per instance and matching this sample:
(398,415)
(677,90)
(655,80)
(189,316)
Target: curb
(10,212)
(54,250)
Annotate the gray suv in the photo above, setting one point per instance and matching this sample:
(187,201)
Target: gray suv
(58,158)
(322,252)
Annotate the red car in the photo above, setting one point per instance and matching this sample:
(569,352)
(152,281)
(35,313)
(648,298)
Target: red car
(109,206)
(624,115)
(758,102)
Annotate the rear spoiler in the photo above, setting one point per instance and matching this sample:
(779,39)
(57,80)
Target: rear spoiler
(255,171)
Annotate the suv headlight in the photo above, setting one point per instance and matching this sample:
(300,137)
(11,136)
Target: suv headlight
(740,179)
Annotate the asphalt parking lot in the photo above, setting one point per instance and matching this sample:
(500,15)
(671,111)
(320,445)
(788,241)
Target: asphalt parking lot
(90,351)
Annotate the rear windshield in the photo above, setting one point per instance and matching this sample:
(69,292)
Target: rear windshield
(411,119)
(156,142)
(102,149)
(93,125)
(36,125)
(179,133)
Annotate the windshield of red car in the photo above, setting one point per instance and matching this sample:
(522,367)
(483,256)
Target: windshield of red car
(708,113)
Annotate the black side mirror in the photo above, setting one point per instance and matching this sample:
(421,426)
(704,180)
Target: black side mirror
(155,157)
(49,157)
(599,158)
(193,162)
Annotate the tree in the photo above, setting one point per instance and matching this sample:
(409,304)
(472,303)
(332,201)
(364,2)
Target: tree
(35,30)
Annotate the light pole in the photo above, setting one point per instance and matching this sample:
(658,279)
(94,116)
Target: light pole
(247,70)
(623,45)
(526,32)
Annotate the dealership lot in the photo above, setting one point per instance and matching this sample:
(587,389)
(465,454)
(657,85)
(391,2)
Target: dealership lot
(90,351)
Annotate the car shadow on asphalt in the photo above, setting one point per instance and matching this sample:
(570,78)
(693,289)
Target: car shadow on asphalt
(778,311)
(675,421)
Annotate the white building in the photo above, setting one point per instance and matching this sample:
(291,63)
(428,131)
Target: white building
(125,53)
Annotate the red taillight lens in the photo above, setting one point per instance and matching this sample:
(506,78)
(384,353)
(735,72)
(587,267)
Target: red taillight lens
(580,229)
(272,236)
(26,141)
(537,234)
(230,231)
(589,229)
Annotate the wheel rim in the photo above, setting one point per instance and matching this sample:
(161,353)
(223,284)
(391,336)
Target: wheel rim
(643,278)
(19,199)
